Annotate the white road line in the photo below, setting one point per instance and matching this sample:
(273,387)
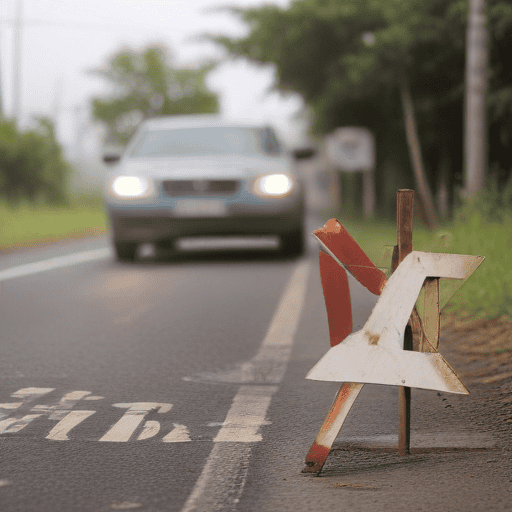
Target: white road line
(247,415)
(54,263)
(221,482)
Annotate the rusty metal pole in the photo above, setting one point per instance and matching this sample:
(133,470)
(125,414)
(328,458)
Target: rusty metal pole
(404,221)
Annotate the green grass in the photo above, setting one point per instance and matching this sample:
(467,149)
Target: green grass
(26,225)
(487,293)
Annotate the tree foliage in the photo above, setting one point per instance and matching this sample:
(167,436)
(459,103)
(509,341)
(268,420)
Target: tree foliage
(145,83)
(32,166)
(349,58)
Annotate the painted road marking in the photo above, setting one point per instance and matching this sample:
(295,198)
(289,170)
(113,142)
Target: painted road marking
(179,434)
(125,505)
(57,412)
(13,425)
(122,431)
(54,263)
(25,395)
(71,420)
(221,482)
(61,411)
(247,415)
(151,429)
(132,418)
(241,426)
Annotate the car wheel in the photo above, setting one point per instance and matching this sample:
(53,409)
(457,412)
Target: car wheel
(125,251)
(293,244)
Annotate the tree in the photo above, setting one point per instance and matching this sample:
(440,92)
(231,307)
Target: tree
(145,83)
(32,166)
(350,60)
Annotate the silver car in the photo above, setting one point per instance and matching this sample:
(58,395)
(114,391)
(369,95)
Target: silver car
(199,176)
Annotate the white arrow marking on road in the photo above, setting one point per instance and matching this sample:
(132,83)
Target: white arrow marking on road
(71,420)
(179,434)
(132,418)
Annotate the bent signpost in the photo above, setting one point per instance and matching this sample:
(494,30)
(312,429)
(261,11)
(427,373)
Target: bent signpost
(381,352)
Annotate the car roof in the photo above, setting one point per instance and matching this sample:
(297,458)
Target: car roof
(194,121)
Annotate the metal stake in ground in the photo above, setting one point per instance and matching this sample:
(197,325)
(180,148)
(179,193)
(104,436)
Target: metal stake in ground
(404,222)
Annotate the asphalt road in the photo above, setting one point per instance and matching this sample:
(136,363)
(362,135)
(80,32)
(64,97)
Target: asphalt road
(177,384)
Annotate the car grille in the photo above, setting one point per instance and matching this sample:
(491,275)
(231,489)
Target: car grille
(200,187)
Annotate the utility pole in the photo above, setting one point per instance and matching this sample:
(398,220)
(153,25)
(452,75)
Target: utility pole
(1,88)
(57,104)
(475,141)
(16,81)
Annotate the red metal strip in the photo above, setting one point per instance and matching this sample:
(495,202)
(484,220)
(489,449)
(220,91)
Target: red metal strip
(337,298)
(338,240)
(316,458)
(317,455)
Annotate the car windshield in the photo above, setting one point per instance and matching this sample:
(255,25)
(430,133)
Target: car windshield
(205,141)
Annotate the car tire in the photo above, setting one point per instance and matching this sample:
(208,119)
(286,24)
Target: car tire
(293,243)
(125,251)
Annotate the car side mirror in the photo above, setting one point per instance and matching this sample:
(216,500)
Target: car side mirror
(111,158)
(303,153)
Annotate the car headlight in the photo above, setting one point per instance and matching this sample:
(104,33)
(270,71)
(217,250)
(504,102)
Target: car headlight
(273,185)
(131,186)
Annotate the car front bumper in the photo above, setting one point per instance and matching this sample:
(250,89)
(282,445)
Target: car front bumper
(160,223)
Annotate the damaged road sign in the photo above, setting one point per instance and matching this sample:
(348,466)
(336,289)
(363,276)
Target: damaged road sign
(375,353)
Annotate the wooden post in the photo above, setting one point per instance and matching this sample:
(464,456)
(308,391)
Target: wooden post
(404,221)
(432,319)
(368,194)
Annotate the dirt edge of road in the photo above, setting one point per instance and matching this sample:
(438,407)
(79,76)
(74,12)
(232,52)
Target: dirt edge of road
(480,351)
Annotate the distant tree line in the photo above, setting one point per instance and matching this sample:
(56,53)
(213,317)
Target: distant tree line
(350,60)
(32,165)
(146,83)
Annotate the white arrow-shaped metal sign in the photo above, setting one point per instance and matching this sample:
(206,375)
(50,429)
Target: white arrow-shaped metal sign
(375,353)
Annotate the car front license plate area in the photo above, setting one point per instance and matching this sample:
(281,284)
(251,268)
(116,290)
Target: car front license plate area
(199,208)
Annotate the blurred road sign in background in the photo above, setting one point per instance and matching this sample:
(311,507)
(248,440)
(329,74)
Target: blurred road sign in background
(352,149)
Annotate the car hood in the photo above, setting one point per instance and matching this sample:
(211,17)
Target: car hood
(201,167)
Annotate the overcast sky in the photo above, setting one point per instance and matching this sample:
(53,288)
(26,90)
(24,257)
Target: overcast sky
(61,39)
